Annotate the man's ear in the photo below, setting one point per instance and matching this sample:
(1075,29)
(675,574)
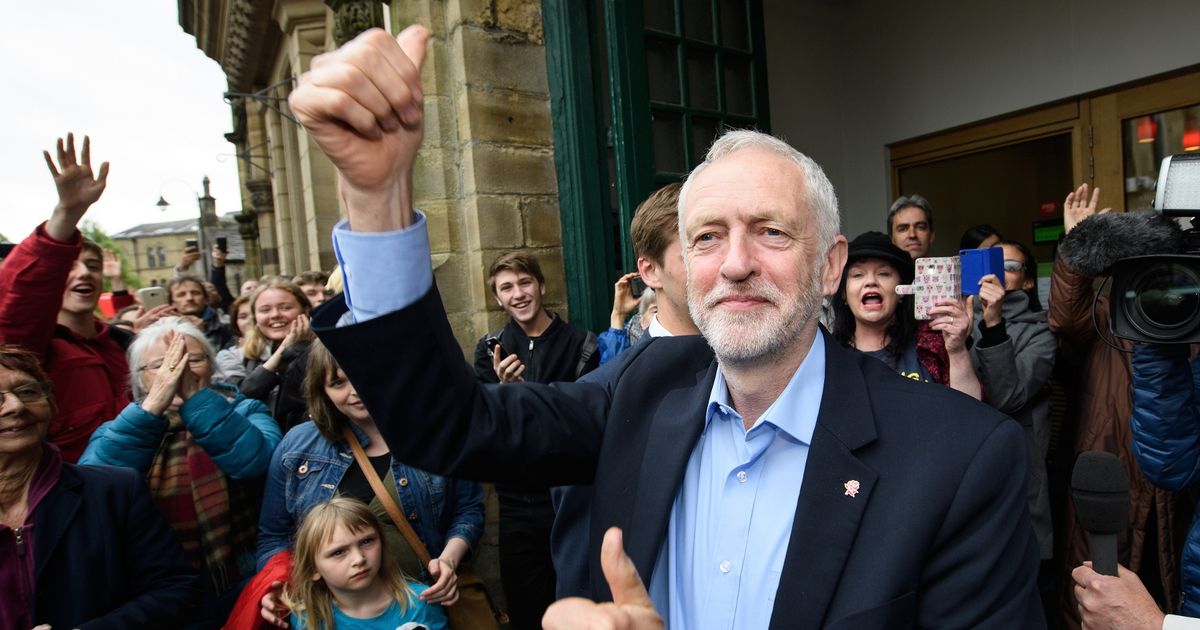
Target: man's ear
(542,288)
(648,270)
(835,264)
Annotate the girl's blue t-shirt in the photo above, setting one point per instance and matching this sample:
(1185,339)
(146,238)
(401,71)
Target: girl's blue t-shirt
(431,616)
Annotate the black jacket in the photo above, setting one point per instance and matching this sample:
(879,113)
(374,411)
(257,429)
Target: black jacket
(937,534)
(562,353)
(106,558)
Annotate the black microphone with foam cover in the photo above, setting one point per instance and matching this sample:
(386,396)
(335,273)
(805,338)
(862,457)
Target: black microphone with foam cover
(1100,490)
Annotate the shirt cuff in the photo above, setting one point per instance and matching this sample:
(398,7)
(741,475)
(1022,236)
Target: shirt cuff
(1179,622)
(383,272)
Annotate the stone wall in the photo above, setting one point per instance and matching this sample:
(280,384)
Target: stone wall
(485,176)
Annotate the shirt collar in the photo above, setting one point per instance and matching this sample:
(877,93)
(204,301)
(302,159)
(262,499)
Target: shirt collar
(656,329)
(795,411)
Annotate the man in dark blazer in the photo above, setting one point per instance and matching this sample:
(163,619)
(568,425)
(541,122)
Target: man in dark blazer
(881,502)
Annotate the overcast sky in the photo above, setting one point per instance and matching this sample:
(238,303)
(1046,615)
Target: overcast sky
(125,73)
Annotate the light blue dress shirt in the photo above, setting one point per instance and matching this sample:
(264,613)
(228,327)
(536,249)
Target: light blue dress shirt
(732,519)
(382,272)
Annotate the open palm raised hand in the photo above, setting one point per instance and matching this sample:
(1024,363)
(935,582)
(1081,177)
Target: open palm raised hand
(78,187)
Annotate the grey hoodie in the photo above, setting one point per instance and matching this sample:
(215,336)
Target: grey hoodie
(1014,373)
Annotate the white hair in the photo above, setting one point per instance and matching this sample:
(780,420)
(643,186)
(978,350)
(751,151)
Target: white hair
(150,336)
(818,191)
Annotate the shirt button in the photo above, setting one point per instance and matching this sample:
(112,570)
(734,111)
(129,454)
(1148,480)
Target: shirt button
(742,476)
(303,468)
(412,516)
(725,566)
(403,482)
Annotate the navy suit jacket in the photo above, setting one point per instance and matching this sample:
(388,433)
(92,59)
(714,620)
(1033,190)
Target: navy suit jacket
(105,557)
(938,534)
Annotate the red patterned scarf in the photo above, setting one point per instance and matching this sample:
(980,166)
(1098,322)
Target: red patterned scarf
(214,516)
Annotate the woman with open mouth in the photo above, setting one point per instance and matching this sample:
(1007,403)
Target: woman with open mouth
(871,317)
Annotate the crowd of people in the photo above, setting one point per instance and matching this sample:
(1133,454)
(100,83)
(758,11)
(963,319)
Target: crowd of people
(766,436)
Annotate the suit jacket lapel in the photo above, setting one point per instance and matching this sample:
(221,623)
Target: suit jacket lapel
(52,517)
(677,425)
(827,515)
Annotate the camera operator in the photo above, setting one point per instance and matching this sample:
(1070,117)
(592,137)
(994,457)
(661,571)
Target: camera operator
(1166,442)
(1150,548)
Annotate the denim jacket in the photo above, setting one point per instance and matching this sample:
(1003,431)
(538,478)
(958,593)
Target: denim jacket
(306,469)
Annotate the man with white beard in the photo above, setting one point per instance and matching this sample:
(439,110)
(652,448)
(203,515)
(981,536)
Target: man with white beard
(774,481)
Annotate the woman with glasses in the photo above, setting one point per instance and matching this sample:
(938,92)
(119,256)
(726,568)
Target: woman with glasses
(203,449)
(870,317)
(1014,353)
(80,546)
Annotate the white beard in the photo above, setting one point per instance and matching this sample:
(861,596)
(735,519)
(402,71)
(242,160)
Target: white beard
(738,337)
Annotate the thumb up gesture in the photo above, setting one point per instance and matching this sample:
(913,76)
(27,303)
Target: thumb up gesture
(630,608)
(364,107)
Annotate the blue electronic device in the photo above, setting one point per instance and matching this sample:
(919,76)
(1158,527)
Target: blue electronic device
(977,263)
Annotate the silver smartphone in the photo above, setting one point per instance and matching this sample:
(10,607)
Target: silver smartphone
(152,296)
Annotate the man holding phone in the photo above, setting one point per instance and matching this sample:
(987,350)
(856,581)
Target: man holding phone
(535,345)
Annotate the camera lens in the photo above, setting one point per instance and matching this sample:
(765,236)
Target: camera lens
(1164,297)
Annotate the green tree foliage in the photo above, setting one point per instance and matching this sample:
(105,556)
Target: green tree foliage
(94,232)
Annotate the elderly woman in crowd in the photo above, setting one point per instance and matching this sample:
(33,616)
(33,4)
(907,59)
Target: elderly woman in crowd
(201,447)
(80,546)
(871,317)
(279,310)
(314,462)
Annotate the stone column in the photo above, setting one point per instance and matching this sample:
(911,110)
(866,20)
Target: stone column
(310,176)
(351,17)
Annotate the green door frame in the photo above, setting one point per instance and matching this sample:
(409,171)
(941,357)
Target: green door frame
(579,159)
(581,139)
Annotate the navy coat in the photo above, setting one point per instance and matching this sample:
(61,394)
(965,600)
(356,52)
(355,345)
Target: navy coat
(938,534)
(105,557)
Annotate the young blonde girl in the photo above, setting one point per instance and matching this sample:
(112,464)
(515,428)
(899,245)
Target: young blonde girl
(344,578)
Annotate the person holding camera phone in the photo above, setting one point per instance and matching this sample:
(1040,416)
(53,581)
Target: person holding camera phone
(1152,548)
(1014,354)
(537,346)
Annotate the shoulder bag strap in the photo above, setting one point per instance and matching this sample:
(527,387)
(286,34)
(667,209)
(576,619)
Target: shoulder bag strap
(385,498)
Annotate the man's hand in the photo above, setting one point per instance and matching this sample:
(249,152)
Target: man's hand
(188,257)
(112,270)
(271,606)
(623,301)
(77,188)
(1114,603)
(146,318)
(991,295)
(218,257)
(509,369)
(630,609)
(364,106)
(1077,207)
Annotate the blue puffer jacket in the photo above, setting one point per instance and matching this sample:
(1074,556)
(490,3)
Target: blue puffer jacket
(1166,439)
(239,436)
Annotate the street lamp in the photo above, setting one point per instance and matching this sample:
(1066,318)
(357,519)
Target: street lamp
(202,242)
